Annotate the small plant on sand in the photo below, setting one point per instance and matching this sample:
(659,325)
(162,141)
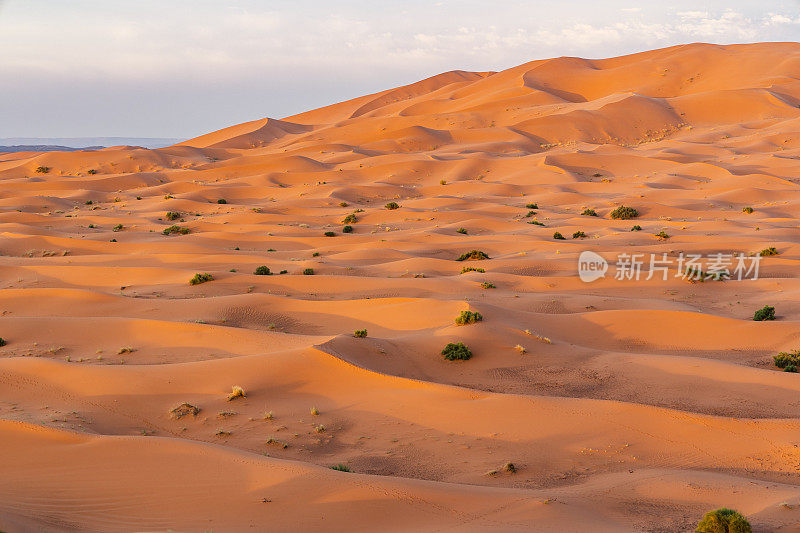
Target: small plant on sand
(456,351)
(350,219)
(347,229)
(662,235)
(91,171)
(589,213)
(42,170)
(201,278)
(330,234)
(468,317)
(222,201)
(509,468)
(747,210)
(320,428)
(474,255)
(184,409)
(785,359)
(341,468)
(790,368)
(521,349)
(118,227)
(308,271)
(176,230)
(236,392)
(442,182)
(173,215)
(536,223)
(360,333)
(315,411)
(462,231)
(472,269)
(624,213)
(488,285)
(766,252)
(557,236)
(723,520)
(392,205)
(343,204)
(3,341)
(275,442)
(532,206)
(636,227)
(579,235)
(765,313)
(263,270)
(88,202)
(529,214)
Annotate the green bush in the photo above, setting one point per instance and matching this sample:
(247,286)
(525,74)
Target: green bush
(2,341)
(330,234)
(769,251)
(341,468)
(589,213)
(637,227)
(557,236)
(462,231)
(392,205)
(765,313)
(536,223)
(222,201)
(529,214)
(456,351)
(468,317)
(532,206)
(350,219)
(747,210)
(347,229)
(662,235)
(201,278)
(176,230)
(173,215)
(343,204)
(92,171)
(118,227)
(790,368)
(785,359)
(471,269)
(624,213)
(474,255)
(360,333)
(42,170)
(263,270)
(723,521)
(308,272)
(578,235)
(488,285)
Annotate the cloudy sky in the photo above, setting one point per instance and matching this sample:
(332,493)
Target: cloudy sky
(179,68)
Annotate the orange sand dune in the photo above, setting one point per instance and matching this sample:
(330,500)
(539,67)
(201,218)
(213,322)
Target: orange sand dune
(622,404)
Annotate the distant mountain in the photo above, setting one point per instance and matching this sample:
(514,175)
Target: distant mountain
(43,148)
(83,142)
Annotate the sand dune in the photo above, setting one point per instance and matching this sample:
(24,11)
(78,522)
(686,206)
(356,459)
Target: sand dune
(624,405)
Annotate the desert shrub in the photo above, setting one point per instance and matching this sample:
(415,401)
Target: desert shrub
(578,235)
(184,409)
(765,313)
(118,227)
(360,333)
(222,201)
(558,236)
(263,270)
(662,235)
(637,227)
(42,170)
(488,285)
(236,392)
(180,230)
(442,182)
(350,219)
(529,214)
(113,240)
(283,272)
(330,234)
(536,223)
(472,269)
(456,351)
(723,520)
(790,368)
(392,205)
(92,171)
(532,206)
(461,231)
(624,213)
(747,210)
(474,255)
(468,317)
(201,278)
(308,271)
(784,359)
(347,229)
(510,468)
(3,341)
(341,468)
(315,254)
(88,202)
(314,411)
(589,213)
(769,251)
(173,215)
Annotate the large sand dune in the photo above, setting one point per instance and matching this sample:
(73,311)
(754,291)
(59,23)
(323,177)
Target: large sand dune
(624,405)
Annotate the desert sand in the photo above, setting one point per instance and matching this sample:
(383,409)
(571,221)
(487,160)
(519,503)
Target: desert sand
(623,405)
